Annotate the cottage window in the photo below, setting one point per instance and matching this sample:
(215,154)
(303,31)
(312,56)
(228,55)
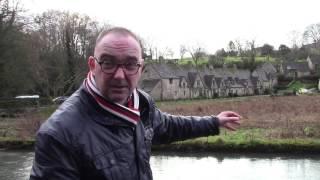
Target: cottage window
(170,80)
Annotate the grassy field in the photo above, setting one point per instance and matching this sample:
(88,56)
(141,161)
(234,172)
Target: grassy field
(228,60)
(279,117)
(269,124)
(190,61)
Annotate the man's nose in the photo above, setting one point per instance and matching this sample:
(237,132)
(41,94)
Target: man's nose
(119,74)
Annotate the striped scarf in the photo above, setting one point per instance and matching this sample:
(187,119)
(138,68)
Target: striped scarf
(130,113)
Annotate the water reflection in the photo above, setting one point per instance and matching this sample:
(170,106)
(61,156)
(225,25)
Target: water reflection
(235,167)
(15,164)
(197,166)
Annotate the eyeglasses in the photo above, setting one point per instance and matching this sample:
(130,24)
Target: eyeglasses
(109,67)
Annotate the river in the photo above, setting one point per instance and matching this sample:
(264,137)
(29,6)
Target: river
(16,165)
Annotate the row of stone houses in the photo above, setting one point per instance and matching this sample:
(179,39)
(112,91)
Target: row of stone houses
(311,66)
(170,81)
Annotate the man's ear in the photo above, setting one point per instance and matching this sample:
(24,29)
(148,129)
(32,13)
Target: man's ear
(91,63)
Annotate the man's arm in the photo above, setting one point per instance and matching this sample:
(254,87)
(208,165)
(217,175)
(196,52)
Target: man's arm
(169,128)
(53,160)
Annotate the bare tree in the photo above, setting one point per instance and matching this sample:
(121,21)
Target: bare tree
(65,40)
(13,49)
(239,47)
(166,53)
(249,57)
(150,50)
(296,39)
(232,48)
(312,34)
(183,51)
(197,53)
(11,24)
(267,50)
(283,50)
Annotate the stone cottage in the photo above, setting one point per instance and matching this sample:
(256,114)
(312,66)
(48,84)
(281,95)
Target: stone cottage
(170,81)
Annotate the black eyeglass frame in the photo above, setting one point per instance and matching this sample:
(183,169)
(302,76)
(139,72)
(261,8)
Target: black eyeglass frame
(122,65)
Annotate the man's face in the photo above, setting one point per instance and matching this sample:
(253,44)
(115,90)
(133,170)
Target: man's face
(119,49)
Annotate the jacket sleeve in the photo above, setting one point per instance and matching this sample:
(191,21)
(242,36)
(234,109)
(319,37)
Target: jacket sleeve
(53,160)
(169,128)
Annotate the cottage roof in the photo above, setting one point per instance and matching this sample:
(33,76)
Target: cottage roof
(228,76)
(165,70)
(268,68)
(192,78)
(315,59)
(254,81)
(260,74)
(232,82)
(298,66)
(222,72)
(242,74)
(149,84)
(265,72)
(243,82)
(312,45)
(208,80)
(218,81)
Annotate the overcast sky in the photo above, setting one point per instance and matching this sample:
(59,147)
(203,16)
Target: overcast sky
(209,23)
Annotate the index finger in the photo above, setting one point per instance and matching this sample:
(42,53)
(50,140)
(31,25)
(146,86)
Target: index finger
(232,114)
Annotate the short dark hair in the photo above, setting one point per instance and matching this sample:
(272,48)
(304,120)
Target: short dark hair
(122,31)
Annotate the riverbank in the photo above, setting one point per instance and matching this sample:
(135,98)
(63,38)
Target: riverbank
(211,144)
(222,144)
(269,125)
(16,144)
(241,141)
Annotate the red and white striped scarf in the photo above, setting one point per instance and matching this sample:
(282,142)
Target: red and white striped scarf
(130,113)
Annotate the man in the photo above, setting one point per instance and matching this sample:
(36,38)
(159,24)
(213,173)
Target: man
(104,131)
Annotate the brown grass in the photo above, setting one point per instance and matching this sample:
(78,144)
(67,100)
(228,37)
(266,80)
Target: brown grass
(282,117)
(23,127)
(28,125)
